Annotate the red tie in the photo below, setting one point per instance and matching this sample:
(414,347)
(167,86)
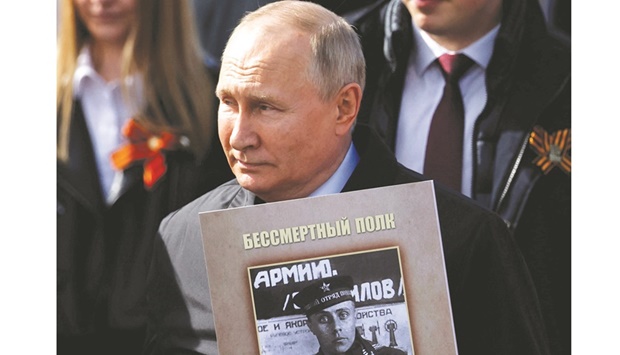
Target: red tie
(444,149)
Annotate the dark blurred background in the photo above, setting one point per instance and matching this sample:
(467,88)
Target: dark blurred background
(216,19)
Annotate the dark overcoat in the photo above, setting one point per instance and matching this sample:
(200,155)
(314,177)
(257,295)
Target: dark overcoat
(494,303)
(103,251)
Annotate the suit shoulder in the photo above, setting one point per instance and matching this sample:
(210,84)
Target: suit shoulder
(187,216)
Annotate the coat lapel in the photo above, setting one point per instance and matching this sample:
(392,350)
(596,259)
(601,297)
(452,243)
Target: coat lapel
(377,166)
(78,176)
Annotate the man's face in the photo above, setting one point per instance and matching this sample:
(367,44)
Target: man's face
(278,135)
(460,21)
(334,327)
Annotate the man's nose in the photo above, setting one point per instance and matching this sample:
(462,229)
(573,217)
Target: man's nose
(244,135)
(337,325)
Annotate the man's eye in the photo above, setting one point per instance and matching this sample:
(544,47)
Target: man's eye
(323,319)
(264,107)
(343,315)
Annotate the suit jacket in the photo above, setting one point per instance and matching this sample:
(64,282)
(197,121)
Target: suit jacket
(103,251)
(494,303)
(529,85)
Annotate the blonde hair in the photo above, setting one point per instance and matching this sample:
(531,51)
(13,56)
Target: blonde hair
(337,57)
(163,48)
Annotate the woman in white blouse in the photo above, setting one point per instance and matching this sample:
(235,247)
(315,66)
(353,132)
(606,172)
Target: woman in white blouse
(136,139)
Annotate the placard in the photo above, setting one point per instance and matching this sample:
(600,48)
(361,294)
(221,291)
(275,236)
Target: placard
(387,239)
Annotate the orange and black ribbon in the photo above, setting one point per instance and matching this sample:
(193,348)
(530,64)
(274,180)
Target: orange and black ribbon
(145,147)
(552,149)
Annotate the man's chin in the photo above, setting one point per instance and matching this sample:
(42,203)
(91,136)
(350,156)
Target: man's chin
(249,183)
(341,346)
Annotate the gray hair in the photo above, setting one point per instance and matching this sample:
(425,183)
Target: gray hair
(337,57)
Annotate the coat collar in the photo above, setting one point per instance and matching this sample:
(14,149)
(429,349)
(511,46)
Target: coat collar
(377,166)
(78,175)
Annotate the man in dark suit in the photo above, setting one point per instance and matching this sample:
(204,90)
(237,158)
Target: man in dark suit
(515,138)
(290,89)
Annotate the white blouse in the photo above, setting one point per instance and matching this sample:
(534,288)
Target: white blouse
(105,112)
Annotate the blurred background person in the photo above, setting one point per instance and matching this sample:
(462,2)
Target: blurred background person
(510,119)
(135,140)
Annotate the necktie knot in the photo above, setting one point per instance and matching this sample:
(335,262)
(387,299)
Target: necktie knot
(453,66)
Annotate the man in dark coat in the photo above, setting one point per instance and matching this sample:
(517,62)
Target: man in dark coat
(288,108)
(517,97)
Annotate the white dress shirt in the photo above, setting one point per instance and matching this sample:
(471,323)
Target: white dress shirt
(105,113)
(422,91)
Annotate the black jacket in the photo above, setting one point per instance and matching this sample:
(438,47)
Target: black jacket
(528,85)
(103,252)
(494,304)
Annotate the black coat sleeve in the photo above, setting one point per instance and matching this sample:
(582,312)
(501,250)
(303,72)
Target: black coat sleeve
(180,319)
(494,302)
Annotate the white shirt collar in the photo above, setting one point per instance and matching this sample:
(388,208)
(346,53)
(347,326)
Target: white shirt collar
(428,50)
(86,70)
(336,182)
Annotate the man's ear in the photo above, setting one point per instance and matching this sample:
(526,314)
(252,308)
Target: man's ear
(349,99)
